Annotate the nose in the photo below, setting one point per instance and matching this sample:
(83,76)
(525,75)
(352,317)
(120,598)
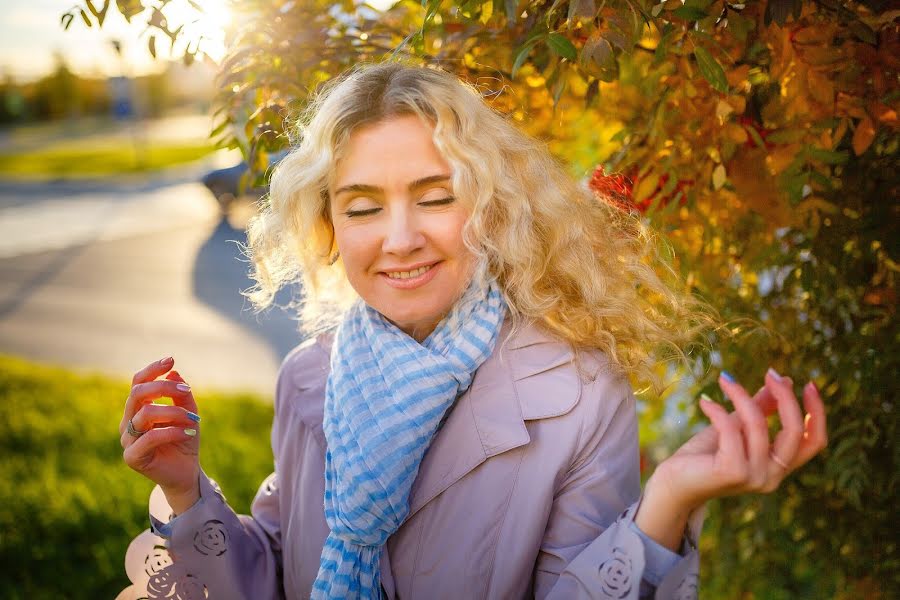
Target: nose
(404,235)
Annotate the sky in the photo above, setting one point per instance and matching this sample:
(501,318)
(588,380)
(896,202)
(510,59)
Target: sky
(31,36)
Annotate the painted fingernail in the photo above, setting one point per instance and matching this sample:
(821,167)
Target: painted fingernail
(183,387)
(193,417)
(706,398)
(774,374)
(726,376)
(190,432)
(166,360)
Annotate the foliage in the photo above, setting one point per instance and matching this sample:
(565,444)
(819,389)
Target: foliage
(68,504)
(63,94)
(760,138)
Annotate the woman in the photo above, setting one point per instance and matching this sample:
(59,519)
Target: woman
(469,423)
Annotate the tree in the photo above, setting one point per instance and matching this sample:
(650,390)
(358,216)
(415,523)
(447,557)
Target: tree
(761,137)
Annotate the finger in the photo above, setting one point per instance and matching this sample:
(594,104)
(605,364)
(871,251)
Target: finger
(186,400)
(730,454)
(145,393)
(754,428)
(815,436)
(154,416)
(153,370)
(764,399)
(731,446)
(135,455)
(787,441)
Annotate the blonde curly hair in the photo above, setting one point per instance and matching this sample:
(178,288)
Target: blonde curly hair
(588,272)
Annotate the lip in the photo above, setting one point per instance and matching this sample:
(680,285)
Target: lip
(413,282)
(412,267)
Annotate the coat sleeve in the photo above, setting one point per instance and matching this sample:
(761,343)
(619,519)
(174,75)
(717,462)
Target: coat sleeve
(209,551)
(592,548)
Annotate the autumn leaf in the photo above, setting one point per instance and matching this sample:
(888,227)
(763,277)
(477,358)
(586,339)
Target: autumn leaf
(711,70)
(863,136)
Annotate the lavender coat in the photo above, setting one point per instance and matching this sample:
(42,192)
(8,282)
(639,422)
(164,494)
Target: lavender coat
(528,491)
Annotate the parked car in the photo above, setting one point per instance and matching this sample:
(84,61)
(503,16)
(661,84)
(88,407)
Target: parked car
(226,184)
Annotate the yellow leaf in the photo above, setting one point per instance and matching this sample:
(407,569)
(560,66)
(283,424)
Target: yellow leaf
(723,109)
(646,186)
(737,76)
(738,103)
(487,9)
(820,88)
(839,132)
(863,136)
(736,133)
(718,177)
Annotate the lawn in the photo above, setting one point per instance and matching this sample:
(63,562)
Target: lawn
(99,158)
(68,504)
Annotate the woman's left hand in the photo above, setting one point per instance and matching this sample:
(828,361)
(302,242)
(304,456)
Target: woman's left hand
(734,455)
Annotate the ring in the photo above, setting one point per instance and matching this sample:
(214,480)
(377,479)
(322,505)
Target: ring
(133,431)
(777,460)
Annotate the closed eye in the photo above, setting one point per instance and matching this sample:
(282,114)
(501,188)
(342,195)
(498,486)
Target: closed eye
(362,213)
(438,202)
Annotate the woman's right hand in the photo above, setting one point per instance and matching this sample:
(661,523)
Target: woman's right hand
(168,450)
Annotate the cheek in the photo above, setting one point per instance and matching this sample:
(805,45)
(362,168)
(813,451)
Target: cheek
(356,248)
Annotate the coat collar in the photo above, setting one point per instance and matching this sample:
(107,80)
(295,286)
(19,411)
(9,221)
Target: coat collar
(519,382)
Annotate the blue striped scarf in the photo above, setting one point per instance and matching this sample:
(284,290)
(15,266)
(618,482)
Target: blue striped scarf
(385,399)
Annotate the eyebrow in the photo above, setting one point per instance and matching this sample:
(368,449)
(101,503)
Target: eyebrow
(374,189)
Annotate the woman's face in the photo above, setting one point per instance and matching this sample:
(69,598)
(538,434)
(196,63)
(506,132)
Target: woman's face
(398,226)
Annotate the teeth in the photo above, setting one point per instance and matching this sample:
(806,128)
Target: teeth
(408,274)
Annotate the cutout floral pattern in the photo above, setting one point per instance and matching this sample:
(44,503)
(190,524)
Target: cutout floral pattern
(615,575)
(211,539)
(157,560)
(172,584)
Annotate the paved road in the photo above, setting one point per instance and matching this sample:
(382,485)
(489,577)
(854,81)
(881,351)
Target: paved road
(107,277)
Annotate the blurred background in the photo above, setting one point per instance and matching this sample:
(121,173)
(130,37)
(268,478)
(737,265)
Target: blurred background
(760,139)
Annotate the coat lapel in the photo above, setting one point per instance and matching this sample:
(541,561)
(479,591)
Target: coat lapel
(517,383)
(490,417)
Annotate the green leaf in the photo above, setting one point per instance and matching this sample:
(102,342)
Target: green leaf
(829,157)
(431,8)
(754,135)
(523,53)
(561,46)
(711,70)
(151,45)
(690,13)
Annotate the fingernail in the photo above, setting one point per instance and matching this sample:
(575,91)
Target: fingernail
(190,432)
(812,385)
(706,398)
(726,376)
(183,387)
(774,374)
(166,360)
(193,417)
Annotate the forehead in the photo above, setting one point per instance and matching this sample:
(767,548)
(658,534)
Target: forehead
(397,149)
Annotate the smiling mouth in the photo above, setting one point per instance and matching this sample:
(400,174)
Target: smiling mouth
(409,274)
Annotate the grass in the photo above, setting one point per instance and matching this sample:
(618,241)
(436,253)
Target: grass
(89,159)
(69,506)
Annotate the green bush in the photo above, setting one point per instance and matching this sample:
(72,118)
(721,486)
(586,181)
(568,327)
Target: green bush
(69,506)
